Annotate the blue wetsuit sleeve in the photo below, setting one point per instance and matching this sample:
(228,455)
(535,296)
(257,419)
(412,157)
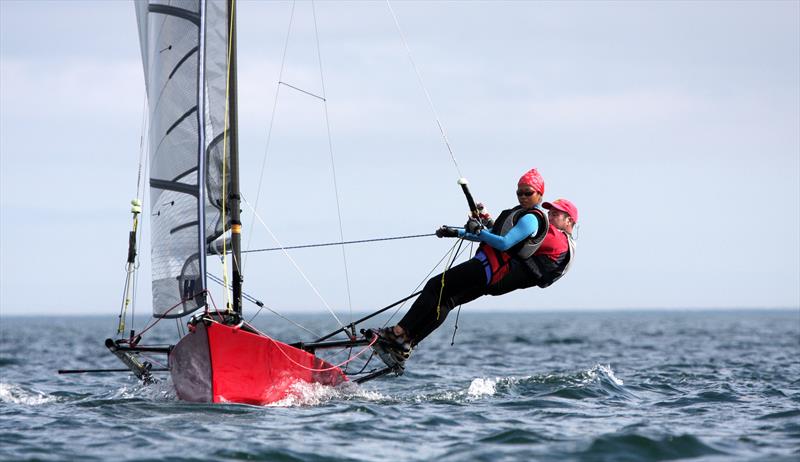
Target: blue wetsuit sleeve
(468,236)
(527,226)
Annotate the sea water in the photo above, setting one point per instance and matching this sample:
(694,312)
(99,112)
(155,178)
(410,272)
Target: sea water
(612,386)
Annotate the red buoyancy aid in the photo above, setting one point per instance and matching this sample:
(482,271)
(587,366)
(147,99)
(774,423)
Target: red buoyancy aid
(554,245)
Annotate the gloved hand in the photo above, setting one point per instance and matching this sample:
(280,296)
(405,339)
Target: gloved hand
(447,231)
(484,216)
(473,226)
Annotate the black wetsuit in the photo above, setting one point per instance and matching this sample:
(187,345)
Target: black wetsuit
(464,283)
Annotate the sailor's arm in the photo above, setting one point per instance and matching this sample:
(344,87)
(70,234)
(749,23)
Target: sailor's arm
(527,226)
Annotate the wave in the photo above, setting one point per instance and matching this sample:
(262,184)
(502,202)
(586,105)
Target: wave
(163,390)
(598,381)
(780,415)
(636,446)
(564,341)
(314,394)
(516,436)
(15,394)
(9,362)
(718,393)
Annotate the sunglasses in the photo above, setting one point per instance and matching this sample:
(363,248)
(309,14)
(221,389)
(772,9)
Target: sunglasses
(525,193)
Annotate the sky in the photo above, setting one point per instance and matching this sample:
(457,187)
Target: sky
(673,126)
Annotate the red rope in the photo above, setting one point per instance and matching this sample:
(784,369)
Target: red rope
(153,323)
(216,310)
(157,362)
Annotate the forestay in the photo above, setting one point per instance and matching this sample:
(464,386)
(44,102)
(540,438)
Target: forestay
(184,51)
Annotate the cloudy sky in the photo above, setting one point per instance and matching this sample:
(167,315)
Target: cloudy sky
(673,126)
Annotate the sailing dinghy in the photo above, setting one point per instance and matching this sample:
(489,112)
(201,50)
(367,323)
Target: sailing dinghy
(189,57)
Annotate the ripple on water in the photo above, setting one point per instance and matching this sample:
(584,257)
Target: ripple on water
(5,361)
(564,341)
(780,415)
(274,455)
(515,436)
(719,394)
(638,447)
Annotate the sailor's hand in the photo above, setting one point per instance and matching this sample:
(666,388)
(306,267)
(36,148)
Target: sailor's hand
(484,216)
(473,226)
(447,231)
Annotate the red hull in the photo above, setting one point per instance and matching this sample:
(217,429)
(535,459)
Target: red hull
(219,363)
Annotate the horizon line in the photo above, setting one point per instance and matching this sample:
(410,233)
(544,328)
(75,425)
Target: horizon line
(476,311)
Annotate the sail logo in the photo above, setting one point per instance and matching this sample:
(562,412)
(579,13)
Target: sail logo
(188,288)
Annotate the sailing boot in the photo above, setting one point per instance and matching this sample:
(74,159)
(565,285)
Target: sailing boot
(392,350)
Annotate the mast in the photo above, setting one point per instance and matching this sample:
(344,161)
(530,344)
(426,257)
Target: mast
(235,197)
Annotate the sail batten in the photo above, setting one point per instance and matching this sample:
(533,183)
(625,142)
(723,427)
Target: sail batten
(183,60)
(175,11)
(185,82)
(181,119)
(174,186)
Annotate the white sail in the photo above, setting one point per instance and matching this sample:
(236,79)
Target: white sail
(184,51)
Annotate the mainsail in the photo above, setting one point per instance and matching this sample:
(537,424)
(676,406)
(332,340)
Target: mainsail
(184,50)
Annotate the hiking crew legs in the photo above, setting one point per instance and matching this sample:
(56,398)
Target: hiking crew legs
(462,283)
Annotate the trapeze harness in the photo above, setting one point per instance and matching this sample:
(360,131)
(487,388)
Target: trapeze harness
(543,269)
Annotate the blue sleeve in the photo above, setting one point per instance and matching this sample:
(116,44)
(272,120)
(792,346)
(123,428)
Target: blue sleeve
(525,227)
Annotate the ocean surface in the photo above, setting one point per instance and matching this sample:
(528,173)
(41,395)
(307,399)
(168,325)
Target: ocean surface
(615,386)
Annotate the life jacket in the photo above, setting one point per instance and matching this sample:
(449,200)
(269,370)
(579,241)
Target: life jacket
(526,247)
(550,271)
(496,261)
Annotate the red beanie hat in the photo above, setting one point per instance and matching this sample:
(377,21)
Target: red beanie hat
(533,179)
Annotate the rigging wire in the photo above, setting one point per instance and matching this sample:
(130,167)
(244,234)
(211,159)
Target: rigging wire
(326,244)
(441,285)
(142,148)
(301,90)
(424,89)
(144,155)
(330,146)
(269,130)
(425,279)
(296,266)
(458,313)
(261,306)
(129,291)
(333,164)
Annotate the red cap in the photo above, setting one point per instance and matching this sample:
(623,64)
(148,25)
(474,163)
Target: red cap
(565,206)
(533,179)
